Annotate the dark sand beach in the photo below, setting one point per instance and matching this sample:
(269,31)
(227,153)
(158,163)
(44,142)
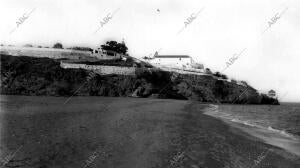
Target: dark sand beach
(42,132)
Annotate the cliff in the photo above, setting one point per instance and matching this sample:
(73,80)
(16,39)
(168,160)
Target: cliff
(44,76)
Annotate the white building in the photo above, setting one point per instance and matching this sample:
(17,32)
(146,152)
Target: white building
(272,93)
(106,54)
(175,61)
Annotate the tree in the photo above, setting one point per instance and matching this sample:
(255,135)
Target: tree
(220,90)
(58,45)
(244,83)
(224,76)
(218,74)
(130,60)
(208,71)
(233,81)
(115,46)
(28,45)
(81,48)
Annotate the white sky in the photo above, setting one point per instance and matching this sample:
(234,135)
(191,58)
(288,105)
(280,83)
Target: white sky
(223,28)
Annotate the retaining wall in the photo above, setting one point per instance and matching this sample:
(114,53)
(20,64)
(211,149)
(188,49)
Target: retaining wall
(102,69)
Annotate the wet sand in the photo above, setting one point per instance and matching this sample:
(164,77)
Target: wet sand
(279,138)
(126,132)
(273,138)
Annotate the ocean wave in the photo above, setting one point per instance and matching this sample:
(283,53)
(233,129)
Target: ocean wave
(282,132)
(213,111)
(269,128)
(244,122)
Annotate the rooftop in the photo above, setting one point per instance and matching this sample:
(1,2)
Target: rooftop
(172,56)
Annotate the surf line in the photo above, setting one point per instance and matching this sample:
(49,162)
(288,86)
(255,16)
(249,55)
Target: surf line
(213,107)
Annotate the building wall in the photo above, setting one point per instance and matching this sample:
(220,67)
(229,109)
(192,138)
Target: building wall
(101,69)
(183,70)
(173,62)
(103,55)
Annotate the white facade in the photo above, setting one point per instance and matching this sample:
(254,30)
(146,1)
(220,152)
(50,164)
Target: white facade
(178,61)
(102,54)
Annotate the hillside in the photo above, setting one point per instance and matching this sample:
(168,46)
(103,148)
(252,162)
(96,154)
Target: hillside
(44,76)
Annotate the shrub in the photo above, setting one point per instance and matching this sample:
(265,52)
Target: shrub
(82,48)
(224,76)
(208,71)
(129,60)
(28,45)
(218,74)
(268,100)
(244,83)
(220,90)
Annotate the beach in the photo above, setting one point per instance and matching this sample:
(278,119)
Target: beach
(127,132)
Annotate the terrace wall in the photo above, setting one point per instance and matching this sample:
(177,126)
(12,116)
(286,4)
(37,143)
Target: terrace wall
(102,69)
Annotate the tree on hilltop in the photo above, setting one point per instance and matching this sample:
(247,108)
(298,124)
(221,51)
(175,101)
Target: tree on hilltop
(244,83)
(28,45)
(224,76)
(115,46)
(218,74)
(58,45)
(208,71)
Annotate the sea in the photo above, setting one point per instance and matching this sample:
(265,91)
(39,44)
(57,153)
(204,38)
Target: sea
(277,125)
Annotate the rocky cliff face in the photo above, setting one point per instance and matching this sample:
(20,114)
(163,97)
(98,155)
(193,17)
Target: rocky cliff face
(44,76)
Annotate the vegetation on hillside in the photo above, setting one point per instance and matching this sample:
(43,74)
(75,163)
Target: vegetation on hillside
(44,76)
(37,76)
(81,48)
(28,45)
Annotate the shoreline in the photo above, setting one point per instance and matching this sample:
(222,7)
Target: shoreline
(122,132)
(269,137)
(243,144)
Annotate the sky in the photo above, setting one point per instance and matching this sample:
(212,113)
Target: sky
(262,35)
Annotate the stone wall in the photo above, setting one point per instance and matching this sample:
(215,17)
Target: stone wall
(101,69)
